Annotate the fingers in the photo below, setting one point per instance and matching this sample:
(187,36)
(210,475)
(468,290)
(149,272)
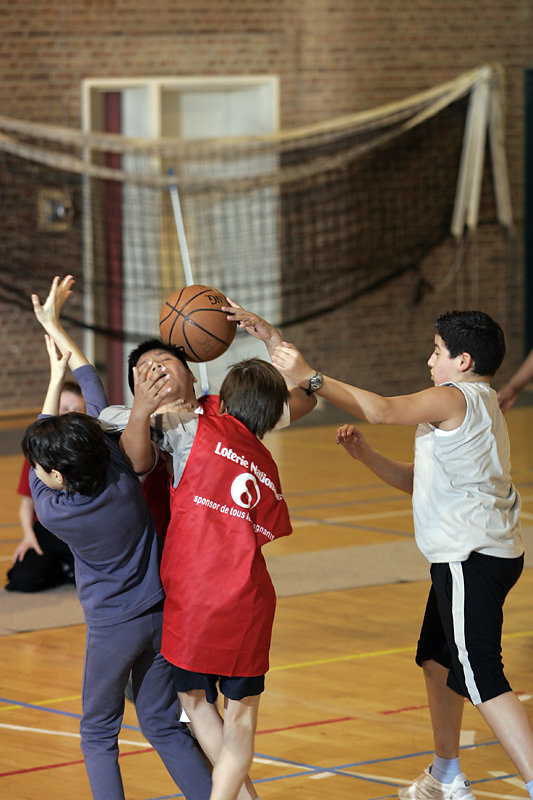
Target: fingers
(180,406)
(348,434)
(243,318)
(37,307)
(149,377)
(232,305)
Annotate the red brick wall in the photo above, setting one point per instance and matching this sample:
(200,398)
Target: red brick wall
(333,57)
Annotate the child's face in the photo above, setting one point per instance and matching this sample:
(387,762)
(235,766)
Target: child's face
(70,401)
(181,381)
(443,367)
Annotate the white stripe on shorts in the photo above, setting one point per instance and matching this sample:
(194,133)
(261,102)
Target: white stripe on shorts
(458,617)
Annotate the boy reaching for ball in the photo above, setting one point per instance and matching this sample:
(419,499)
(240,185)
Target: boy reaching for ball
(171,361)
(88,495)
(174,388)
(226,503)
(466,515)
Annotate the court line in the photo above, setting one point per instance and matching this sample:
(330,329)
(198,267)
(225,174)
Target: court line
(317,772)
(301,522)
(13,704)
(67,734)
(372,654)
(344,770)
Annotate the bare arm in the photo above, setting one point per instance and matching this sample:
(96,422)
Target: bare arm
(398,474)
(49,313)
(440,404)
(507,396)
(253,324)
(136,442)
(29,540)
(58,367)
(300,402)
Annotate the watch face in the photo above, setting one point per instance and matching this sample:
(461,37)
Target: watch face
(315,382)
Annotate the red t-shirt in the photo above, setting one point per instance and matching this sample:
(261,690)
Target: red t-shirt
(24,480)
(220,601)
(156,485)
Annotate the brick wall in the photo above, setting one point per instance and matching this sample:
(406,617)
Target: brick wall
(333,57)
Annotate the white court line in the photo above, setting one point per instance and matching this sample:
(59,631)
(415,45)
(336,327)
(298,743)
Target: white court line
(376,515)
(467,738)
(279,763)
(513,781)
(352,518)
(66,734)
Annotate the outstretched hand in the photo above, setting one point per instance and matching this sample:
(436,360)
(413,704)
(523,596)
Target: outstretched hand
(353,441)
(252,323)
(49,312)
(292,365)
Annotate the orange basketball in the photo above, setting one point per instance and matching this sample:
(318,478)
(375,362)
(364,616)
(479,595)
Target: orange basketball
(191,319)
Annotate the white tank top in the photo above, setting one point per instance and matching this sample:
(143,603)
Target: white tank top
(463,496)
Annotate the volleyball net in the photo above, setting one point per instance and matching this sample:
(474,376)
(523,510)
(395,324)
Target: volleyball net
(291,225)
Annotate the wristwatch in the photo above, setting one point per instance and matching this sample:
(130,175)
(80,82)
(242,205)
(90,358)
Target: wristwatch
(315,383)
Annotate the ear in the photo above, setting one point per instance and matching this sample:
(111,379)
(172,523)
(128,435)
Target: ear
(221,408)
(58,479)
(465,362)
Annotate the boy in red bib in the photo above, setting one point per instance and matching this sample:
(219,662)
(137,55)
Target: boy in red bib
(220,602)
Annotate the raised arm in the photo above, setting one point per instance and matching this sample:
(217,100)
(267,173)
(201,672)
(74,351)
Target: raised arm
(440,404)
(398,474)
(136,441)
(300,402)
(58,367)
(49,314)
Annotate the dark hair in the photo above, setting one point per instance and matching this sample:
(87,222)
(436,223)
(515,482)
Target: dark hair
(254,392)
(72,443)
(476,333)
(72,386)
(144,347)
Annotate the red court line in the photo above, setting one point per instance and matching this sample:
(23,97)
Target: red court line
(306,725)
(70,763)
(270,730)
(401,710)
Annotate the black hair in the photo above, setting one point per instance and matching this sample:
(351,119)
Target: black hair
(144,347)
(255,393)
(475,333)
(72,386)
(72,443)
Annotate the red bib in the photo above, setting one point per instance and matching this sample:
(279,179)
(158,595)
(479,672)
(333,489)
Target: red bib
(220,601)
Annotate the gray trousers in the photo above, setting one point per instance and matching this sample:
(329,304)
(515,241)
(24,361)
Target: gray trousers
(111,652)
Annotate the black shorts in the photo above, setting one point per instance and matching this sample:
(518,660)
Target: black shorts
(235,688)
(462,626)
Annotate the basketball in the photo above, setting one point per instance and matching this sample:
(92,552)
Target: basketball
(191,319)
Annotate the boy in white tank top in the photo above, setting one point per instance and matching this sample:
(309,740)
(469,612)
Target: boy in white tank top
(466,514)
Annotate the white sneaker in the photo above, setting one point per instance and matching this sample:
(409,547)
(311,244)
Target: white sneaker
(426,787)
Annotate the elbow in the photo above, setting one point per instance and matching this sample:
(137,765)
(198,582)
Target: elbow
(377,417)
(381,413)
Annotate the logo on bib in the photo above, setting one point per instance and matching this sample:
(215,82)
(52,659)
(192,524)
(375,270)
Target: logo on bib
(245,490)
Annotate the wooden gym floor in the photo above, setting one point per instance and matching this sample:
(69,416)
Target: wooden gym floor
(344,713)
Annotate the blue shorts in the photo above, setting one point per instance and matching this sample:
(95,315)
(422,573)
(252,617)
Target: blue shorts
(235,688)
